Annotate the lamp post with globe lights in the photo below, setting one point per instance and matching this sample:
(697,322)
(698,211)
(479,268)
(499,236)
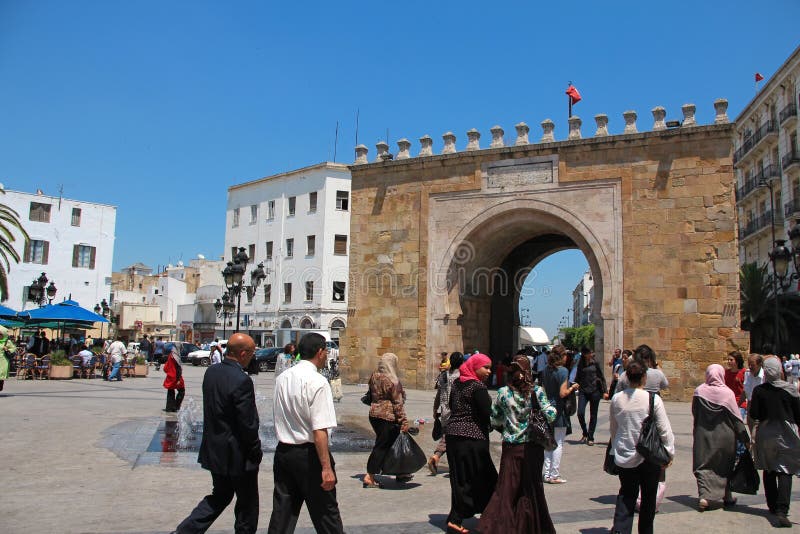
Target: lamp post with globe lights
(782,258)
(40,293)
(103,309)
(224,308)
(233,274)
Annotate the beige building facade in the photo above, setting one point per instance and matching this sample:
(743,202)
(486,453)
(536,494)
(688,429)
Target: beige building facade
(441,244)
(767,163)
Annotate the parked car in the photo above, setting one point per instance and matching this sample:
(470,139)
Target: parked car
(203,357)
(265,358)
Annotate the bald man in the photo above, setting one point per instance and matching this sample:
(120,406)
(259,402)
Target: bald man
(231,448)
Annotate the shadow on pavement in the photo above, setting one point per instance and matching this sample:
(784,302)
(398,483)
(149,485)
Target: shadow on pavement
(605,499)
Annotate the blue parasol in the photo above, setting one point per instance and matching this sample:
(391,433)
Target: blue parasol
(67,311)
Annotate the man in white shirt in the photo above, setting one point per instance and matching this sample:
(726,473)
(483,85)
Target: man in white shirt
(303,468)
(753,376)
(115,351)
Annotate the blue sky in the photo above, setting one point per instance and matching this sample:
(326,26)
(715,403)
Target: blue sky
(157,107)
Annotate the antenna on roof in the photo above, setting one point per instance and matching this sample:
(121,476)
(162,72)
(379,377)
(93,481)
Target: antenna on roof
(60,194)
(335,141)
(358,112)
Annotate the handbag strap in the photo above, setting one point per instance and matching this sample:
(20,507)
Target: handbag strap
(652,402)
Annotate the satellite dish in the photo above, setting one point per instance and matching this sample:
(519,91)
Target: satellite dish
(200,257)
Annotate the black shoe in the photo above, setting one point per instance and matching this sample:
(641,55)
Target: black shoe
(781,521)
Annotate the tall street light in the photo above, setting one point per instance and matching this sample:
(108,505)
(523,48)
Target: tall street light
(768,184)
(224,308)
(782,257)
(102,309)
(233,274)
(40,293)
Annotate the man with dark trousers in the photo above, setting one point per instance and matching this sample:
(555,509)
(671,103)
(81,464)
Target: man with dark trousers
(231,448)
(303,467)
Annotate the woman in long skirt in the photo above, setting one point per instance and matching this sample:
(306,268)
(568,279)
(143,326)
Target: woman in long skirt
(472,473)
(518,504)
(717,427)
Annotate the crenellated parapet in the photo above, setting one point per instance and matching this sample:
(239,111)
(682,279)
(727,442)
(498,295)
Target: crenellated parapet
(629,118)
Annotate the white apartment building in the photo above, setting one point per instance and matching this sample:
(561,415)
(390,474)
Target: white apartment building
(582,300)
(298,224)
(767,160)
(71,241)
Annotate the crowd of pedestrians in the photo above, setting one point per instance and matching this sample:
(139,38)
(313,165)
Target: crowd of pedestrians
(737,412)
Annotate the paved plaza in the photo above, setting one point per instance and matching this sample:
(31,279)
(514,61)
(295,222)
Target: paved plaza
(85,456)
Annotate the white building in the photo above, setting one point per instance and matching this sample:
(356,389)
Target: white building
(582,300)
(298,224)
(767,155)
(72,241)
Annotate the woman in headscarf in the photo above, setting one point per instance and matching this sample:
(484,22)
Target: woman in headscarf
(717,427)
(174,380)
(441,405)
(775,408)
(518,504)
(386,415)
(472,473)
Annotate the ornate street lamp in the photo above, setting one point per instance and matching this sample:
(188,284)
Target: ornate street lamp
(224,308)
(233,274)
(103,309)
(40,293)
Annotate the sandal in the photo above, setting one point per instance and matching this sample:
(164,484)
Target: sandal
(452,528)
(373,485)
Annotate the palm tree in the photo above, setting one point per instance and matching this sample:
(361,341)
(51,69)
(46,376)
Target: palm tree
(9,220)
(758,308)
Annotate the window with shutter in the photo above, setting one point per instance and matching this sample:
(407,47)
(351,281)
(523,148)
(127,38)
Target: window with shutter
(310,245)
(267,293)
(76,216)
(287,293)
(290,248)
(309,291)
(252,253)
(269,250)
(83,256)
(312,201)
(236,217)
(292,205)
(340,245)
(75,255)
(39,212)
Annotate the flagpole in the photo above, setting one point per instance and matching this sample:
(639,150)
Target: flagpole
(569,100)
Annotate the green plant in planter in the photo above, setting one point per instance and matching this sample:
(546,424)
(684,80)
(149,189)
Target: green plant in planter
(140,360)
(59,357)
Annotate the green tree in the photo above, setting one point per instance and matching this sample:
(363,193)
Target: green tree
(9,221)
(757,296)
(579,337)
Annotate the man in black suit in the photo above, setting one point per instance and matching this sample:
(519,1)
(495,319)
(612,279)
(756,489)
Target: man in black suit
(231,448)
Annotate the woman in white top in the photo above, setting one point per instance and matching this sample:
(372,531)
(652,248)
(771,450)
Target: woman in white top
(629,408)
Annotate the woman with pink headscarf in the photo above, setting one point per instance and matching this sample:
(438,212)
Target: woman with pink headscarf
(472,472)
(717,427)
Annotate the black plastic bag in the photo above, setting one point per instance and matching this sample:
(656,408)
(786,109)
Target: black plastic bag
(405,457)
(570,404)
(745,477)
(650,446)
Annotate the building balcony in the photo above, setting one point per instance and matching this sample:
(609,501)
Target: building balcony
(791,161)
(792,208)
(766,132)
(769,172)
(758,224)
(788,115)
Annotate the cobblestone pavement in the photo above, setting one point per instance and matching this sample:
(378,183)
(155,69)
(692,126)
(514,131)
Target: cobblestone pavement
(83,456)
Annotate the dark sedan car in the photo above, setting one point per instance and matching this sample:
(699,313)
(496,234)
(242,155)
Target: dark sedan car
(264,360)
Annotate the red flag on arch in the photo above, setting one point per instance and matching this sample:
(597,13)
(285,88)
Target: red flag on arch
(759,77)
(574,95)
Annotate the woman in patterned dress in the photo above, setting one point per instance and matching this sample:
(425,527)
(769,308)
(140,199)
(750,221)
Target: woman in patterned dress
(518,504)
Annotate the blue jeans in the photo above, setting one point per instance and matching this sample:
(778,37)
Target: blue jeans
(115,372)
(593,400)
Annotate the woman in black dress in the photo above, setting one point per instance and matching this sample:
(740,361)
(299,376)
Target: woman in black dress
(472,473)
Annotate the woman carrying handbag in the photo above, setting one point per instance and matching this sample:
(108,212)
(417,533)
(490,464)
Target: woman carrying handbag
(629,410)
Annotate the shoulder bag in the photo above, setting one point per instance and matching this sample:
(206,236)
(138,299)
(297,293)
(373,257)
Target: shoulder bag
(539,430)
(366,398)
(649,445)
(609,465)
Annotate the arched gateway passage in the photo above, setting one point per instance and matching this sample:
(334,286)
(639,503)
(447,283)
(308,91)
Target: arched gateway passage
(440,246)
(488,263)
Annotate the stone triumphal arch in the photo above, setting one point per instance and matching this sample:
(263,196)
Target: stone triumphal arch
(441,244)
